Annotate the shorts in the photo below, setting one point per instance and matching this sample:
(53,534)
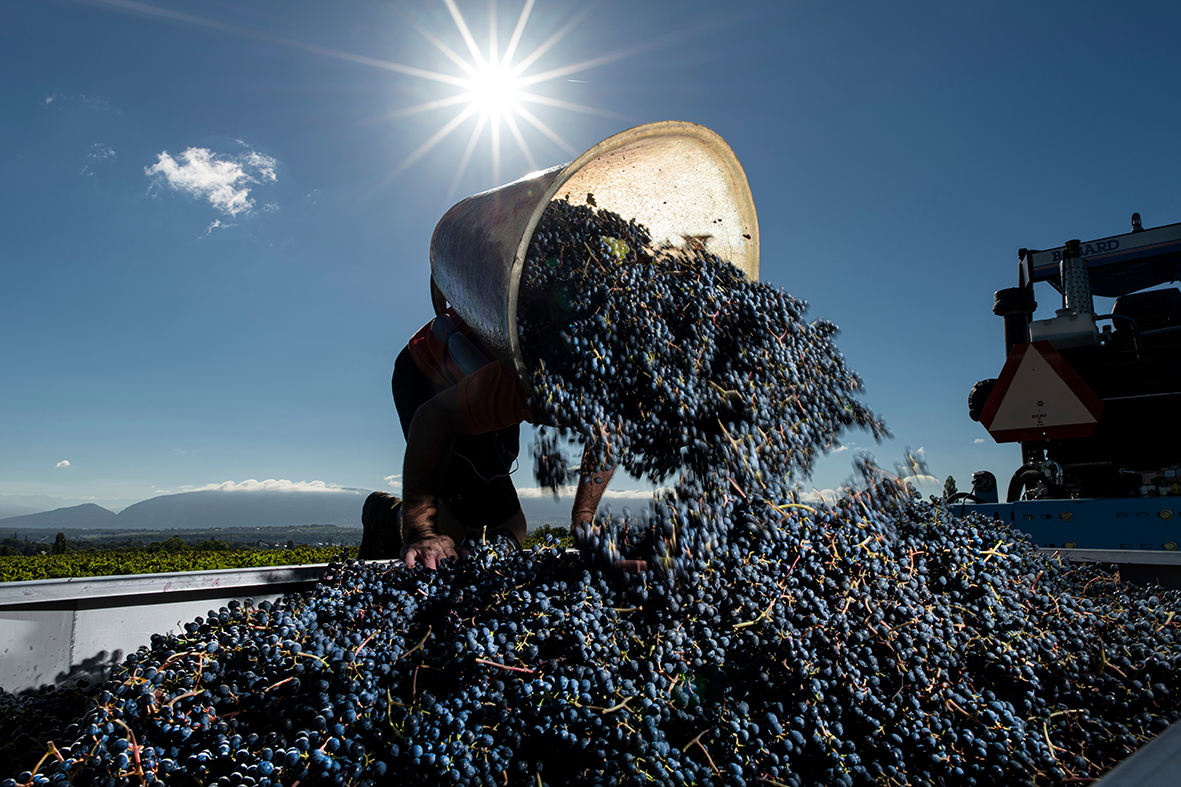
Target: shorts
(477,487)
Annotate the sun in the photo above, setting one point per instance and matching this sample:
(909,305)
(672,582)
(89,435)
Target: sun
(494,88)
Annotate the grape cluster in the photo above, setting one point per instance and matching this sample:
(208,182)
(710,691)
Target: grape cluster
(869,639)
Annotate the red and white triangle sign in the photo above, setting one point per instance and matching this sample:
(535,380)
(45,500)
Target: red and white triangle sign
(1039,397)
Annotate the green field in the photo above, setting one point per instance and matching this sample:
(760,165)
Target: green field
(155,552)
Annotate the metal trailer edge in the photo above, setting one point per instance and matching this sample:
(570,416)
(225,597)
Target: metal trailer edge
(54,630)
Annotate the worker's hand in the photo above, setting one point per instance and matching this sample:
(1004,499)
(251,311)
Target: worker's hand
(430,551)
(582,527)
(631,566)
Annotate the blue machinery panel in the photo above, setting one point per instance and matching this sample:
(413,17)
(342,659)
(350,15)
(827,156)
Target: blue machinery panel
(1140,523)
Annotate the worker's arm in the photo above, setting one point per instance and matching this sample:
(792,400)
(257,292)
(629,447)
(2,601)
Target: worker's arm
(592,483)
(428,452)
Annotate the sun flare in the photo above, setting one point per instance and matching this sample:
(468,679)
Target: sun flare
(494,85)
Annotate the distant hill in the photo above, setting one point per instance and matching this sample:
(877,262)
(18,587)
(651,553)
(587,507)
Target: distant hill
(215,508)
(19,507)
(246,508)
(86,515)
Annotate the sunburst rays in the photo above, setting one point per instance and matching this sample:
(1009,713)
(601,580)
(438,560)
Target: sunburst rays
(494,85)
(494,89)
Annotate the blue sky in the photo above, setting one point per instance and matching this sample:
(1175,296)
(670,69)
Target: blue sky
(214,227)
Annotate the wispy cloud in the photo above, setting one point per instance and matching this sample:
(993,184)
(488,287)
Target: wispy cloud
(98,153)
(224,181)
(63,463)
(979,441)
(269,485)
(58,98)
(216,224)
(394,482)
(101,151)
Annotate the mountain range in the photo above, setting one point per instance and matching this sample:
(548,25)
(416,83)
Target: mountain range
(211,508)
(254,508)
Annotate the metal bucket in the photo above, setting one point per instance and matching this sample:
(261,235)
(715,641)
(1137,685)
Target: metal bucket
(679,179)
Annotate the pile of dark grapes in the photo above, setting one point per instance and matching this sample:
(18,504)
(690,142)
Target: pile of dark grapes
(842,645)
(870,639)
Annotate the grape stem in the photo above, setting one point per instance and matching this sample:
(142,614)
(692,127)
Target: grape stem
(701,746)
(277,685)
(180,697)
(953,704)
(139,768)
(1053,749)
(364,642)
(1106,663)
(1167,621)
(421,642)
(176,656)
(312,656)
(613,708)
(51,749)
(505,666)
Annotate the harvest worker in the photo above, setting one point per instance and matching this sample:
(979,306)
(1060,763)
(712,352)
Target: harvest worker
(460,414)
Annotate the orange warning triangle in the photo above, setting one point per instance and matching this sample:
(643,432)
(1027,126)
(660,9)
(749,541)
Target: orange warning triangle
(1039,397)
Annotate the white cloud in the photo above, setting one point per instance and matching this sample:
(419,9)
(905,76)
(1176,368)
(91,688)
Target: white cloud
(821,496)
(979,441)
(63,463)
(839,449)
(394,482)
(225,181)
(263,165)
(610,494)
(636,494)
(269,485)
